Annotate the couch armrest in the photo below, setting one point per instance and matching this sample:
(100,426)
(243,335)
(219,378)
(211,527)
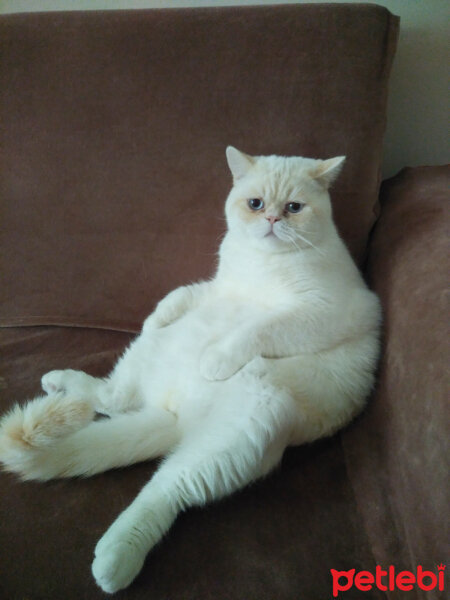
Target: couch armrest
(398,453)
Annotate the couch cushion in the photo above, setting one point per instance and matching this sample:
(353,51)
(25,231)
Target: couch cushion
(114,126)
(276,539)
(398,455)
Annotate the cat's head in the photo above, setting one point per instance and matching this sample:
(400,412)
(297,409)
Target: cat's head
(280,203)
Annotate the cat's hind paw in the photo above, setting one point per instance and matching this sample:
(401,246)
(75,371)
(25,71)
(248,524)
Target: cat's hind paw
(116,565)
(53,382)
(68,381)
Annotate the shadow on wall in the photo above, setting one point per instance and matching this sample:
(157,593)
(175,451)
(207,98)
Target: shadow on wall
(418,115)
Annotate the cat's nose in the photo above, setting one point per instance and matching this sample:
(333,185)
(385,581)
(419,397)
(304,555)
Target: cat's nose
(272,220)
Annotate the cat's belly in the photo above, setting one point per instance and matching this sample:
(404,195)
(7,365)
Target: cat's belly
(169,370)
(328,388)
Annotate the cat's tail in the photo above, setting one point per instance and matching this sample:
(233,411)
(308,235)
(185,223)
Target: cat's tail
(55,436)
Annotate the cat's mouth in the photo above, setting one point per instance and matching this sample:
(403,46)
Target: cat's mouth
(271,233)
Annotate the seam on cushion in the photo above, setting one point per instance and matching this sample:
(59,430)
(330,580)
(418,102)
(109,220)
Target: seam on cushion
(45,321)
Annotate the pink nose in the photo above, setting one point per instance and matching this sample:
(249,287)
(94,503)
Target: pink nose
(272,220)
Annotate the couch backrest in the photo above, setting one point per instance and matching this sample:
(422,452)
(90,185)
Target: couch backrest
(114,126)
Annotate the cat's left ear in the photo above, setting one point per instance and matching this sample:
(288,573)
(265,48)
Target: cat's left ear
(238,162)
(327,170)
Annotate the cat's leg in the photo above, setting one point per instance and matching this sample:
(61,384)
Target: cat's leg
(238,442)
(112,395)
(119,392)
(56,436)
(74,383)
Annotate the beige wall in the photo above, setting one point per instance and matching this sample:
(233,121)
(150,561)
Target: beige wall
(418,113)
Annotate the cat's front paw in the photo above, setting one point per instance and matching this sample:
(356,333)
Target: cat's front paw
(172,307)
(217,364)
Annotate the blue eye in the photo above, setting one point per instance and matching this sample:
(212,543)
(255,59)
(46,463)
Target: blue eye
(255,203)
(294,207)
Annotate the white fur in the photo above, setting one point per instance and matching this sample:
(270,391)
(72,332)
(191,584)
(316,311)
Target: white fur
(278,349)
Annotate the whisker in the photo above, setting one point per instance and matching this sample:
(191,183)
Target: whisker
(291,234)
(291,239)
(308,242)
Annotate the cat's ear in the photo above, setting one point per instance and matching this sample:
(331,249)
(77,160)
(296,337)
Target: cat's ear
(326,171)
(238,162)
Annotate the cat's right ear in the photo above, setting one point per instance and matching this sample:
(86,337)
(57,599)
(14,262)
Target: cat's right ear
(239,163)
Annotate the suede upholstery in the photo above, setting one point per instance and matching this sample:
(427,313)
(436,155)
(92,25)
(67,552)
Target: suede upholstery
(404,436)
(115,128)
(112,182)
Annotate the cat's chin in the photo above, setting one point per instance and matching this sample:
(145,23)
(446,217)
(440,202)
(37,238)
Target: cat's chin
(271,242)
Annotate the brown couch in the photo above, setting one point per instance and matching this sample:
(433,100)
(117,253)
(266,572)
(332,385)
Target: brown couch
(113,178)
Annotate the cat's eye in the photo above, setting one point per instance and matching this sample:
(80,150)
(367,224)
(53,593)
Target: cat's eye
(294,207)
(255,203)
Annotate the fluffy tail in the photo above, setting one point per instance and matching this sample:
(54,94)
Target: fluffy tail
(55,436)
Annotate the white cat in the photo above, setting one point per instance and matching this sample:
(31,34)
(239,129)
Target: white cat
(278,349)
